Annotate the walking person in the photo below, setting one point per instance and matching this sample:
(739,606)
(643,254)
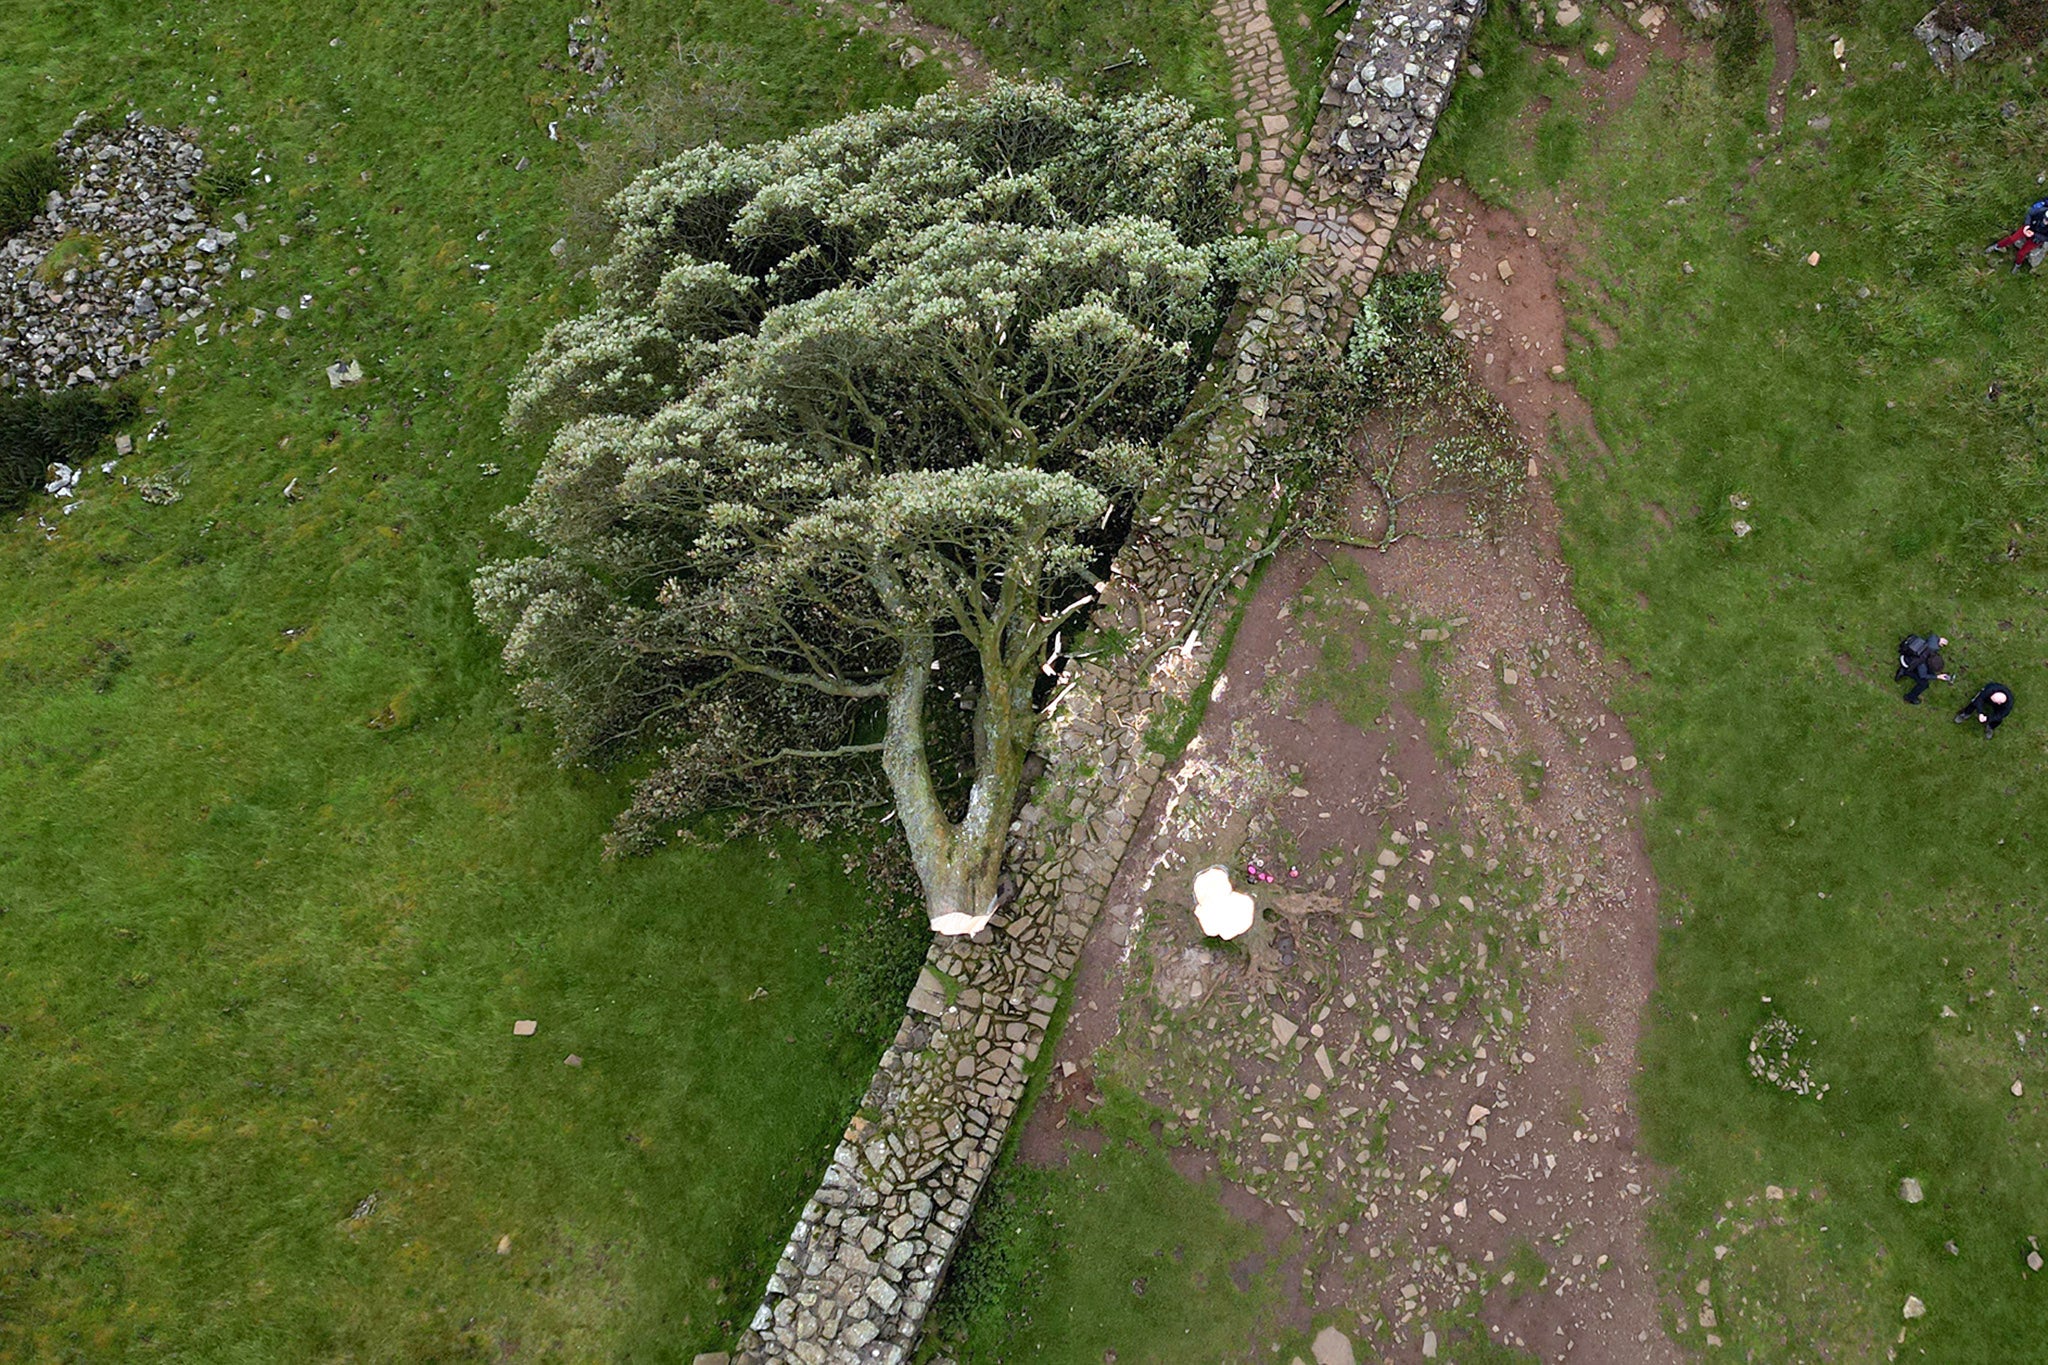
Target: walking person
(1920,660)
(1989,708)
(2028,240)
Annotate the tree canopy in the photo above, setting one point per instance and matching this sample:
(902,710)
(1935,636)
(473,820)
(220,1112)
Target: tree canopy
(854,409)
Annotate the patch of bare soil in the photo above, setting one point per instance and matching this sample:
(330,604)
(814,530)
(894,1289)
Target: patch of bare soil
(1784,59)
(1424,1061)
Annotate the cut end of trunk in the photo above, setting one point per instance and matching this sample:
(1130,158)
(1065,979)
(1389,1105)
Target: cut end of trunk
(959,924)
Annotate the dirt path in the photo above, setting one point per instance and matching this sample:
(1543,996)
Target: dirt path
(914,41)
(1784,60)
(1427,1075)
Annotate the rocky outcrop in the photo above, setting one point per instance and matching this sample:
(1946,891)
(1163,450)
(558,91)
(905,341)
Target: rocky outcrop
(117,259)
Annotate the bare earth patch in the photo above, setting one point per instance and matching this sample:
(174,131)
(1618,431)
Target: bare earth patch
(1427,1070)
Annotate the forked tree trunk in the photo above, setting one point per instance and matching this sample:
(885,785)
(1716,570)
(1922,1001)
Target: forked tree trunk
(959,863)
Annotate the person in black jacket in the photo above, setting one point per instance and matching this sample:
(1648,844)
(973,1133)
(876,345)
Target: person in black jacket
(1920,660)
(1989,708)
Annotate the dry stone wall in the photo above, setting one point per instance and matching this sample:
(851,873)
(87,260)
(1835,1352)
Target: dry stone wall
(872,1245)
(1393,71)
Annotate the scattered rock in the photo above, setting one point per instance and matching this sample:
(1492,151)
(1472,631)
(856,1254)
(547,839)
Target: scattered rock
(524,1028)
(1915,1308)
(1909,1190)
(1332,1347)
(1947,42)
(1187,978)
(340,375)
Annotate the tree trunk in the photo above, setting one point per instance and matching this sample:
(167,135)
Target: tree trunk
(959,863)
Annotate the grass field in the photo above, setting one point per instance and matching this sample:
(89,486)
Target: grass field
(1107,46)
(1113,1255)
(1869,872)
(280,862)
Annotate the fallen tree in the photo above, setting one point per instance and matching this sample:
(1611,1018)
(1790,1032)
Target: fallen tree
(855,409)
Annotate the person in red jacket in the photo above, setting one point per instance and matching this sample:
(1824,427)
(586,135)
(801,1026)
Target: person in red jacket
(2028,241)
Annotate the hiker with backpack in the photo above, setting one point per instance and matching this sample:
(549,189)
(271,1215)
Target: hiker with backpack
(1989,708)
(2028,241)
(1920,660)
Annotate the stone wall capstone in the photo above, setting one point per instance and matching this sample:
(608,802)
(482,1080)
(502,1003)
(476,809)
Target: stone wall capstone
(1393,71)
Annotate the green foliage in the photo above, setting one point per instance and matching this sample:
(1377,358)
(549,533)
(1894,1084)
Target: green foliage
(26,179)
(221,183)
(823,426)
(1400,361)
(1478,137)
(875,955)
(1089,46)
(40,429)
(1558,140)
(1743,41)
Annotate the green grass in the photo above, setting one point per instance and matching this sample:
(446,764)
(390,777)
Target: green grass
(280,861)
(1860,864)
(1088,44)
(1112,1255)
(1355,643)
(1308,40)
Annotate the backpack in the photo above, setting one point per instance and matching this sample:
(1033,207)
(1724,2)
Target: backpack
(1914,647)
(2037,215)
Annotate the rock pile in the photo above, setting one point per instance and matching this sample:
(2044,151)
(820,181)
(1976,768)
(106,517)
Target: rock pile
(1948,39)
(112,263)
(1393,72)
(1774,1058)
(589,50)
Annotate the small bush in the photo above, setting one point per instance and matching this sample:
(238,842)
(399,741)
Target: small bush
(40,429)
(1741,42)
(220,182)
(26,180)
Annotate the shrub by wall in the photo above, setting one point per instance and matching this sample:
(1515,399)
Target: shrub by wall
(38,429)
(26,179)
